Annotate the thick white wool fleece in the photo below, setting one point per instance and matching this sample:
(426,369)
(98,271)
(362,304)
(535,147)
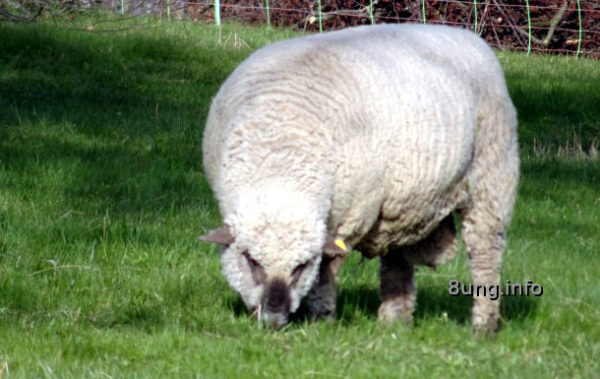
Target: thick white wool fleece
(379,132)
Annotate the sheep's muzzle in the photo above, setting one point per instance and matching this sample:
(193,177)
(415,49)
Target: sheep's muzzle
(275,304)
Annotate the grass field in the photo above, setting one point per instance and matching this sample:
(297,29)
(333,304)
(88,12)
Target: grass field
(102,196)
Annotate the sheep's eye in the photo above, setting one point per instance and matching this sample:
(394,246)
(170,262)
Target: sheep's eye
(257,271)
(297,272)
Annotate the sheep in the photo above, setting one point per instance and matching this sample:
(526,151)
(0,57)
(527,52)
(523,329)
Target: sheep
(369,138)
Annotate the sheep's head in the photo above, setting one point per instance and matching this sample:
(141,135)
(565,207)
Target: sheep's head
(270,268)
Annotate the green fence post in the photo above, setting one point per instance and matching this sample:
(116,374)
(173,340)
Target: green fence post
(423,9)
(268,14)
(169,10)
(371,12)
(528,28)
(580,30)
(122,7)
(475,8)
(217,13)
(320,17)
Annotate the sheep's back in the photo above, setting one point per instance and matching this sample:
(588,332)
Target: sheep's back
(389,112)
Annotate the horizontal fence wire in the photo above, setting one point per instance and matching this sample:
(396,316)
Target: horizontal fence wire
(539,33)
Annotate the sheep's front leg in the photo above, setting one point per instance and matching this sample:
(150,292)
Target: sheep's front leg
(323,295)
(397,289)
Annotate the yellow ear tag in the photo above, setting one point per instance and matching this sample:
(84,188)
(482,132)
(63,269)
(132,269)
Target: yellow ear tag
(340,243)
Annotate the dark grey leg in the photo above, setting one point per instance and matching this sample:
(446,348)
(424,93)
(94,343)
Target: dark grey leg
(397,289)
(322,297)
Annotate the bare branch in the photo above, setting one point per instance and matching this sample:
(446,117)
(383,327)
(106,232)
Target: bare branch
(554,22)
(313,17)
(516,29)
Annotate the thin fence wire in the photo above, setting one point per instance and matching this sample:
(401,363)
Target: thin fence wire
(480,22)
(477,23)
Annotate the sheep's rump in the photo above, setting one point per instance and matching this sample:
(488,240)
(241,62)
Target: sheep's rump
(380,124)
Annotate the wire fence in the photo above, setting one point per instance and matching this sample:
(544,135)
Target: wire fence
(548,26)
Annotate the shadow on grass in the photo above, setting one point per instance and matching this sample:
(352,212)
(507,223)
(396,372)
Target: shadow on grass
(119,119)
(546,105)
(432,302)
(361,302)
(553,176)
(99,82)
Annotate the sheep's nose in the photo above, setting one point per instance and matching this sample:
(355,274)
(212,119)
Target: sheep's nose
(276,303)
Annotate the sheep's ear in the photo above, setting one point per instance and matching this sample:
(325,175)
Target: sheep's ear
(222,236)
(335,248)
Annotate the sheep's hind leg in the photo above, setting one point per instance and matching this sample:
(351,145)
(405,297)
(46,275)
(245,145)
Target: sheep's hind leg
(397,290)
(485,243)
(493,188)
(323,295)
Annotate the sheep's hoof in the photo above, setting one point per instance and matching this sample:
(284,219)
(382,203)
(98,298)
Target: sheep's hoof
(390,312)
(484,330)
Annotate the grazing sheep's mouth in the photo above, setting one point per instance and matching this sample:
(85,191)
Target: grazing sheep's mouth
(274,307)
(274,320)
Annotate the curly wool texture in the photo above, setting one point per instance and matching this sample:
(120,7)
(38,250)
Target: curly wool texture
(373,135)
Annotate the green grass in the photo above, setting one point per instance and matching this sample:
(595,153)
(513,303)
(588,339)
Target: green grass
(102,197)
